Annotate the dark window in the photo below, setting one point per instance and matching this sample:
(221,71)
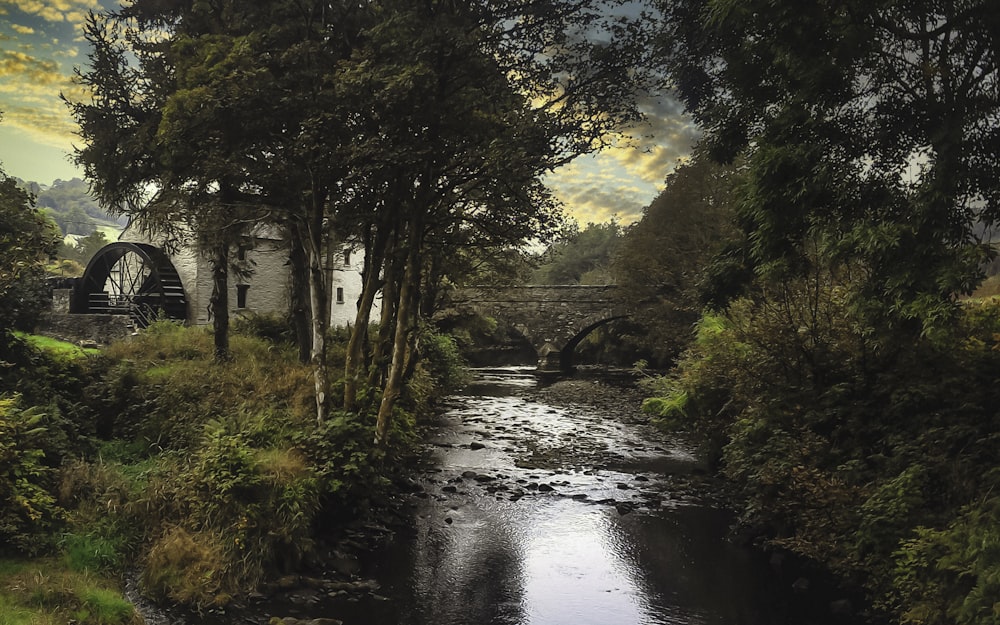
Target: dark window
(241,251)
(340,295)
(241,295)
(347,258)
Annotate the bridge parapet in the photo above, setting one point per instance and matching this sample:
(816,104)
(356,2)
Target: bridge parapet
(554,319)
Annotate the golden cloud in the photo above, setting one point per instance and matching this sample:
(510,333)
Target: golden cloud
(596,188)
(29,68)
(52,10)
(23,30)
(48,125)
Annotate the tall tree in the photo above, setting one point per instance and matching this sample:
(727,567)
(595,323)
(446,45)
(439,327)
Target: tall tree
(668,263)
(415,129)
(27,238)
(871,124)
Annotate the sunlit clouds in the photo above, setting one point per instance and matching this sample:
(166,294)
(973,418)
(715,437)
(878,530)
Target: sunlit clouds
(69,11)
(36,65)
(621,181)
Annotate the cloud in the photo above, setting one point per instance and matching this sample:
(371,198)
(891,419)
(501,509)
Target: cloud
(596,188)
(29,68)
(52,10)
(622,180)
(46,125)
(23,30)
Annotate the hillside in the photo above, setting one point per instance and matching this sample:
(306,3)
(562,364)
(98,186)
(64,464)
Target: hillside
(72,207)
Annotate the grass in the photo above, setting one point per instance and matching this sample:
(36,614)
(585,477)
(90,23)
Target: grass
(55,347)
(44,592)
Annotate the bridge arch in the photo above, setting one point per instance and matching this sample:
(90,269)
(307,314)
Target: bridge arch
(566,354)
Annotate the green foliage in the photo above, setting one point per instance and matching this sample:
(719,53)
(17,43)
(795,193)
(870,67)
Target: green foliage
(274,328)
(84,248)
(165,383)
(852,443)
(952,575)
(28,510)
(94,552)
(60,350)
(70,204)
(580,256)
(41,592)
(441,359)
(27,239)
(101,606)
(663,266)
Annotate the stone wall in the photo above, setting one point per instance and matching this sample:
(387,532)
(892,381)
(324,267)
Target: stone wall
(75,328)
(552,318)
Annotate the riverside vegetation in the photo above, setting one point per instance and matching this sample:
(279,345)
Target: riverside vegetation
(874,458)
(210,478)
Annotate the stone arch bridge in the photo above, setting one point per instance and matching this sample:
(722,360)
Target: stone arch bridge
(554,319)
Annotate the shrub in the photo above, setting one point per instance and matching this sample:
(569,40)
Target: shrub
(439,371)
(188,568)
(28,510)
(951,576)
(270,327)
(851,440)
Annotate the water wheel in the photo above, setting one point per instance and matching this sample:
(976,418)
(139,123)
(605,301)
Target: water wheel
(132,279)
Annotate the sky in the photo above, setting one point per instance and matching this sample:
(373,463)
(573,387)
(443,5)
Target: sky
(41,43)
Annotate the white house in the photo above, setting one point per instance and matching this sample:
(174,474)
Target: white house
(140,269)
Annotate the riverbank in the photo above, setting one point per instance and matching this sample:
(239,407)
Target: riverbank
(211,483)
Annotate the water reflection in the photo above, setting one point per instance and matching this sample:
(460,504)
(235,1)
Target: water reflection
(500,549)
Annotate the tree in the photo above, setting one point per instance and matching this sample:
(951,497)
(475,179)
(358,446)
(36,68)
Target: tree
(665,261)
(581,256)
(871,125)
(27,239)
(418,130)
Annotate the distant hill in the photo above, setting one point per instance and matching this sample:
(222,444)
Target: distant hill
(72,207)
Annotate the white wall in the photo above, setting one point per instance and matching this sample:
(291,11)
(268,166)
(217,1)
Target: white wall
(267,283)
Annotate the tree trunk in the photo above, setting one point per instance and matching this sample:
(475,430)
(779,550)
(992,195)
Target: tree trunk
(299,304)
(219,302)
(353,370)
(405,317)
(387,321)
(318,302)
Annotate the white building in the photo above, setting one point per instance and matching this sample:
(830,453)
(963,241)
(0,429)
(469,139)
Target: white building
(140,269)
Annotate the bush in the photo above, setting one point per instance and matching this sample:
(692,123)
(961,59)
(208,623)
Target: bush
(440,370)
(951,576)
(851,440)
(188,568)
(28,510)
(270,327)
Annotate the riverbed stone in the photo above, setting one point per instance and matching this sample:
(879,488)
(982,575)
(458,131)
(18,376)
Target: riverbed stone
(474,446)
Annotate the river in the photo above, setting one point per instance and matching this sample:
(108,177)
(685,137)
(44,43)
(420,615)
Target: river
(538,506)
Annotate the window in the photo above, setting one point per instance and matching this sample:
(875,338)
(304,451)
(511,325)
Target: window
(340,295)
(241,251)
(241,295)
(347,258)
